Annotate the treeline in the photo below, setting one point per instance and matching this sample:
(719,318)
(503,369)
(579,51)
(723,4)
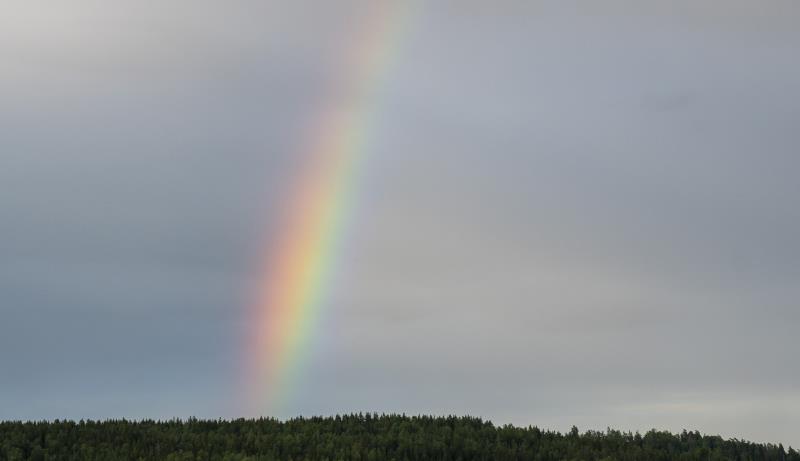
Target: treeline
(359,437)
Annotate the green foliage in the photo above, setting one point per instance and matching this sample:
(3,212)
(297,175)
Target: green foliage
(359,437)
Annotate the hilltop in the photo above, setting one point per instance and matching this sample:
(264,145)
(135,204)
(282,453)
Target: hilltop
(360,437)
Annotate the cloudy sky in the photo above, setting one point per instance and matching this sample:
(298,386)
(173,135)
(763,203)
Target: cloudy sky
(571,212)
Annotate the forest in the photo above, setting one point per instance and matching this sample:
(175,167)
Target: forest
(359,437)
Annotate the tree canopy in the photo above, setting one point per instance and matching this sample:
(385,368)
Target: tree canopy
(359,437)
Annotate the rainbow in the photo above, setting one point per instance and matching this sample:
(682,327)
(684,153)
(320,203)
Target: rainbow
(300,263)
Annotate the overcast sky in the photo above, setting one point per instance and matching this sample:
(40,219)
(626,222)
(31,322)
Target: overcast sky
(572,212)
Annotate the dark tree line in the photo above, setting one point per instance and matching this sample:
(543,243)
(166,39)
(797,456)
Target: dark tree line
(359,437)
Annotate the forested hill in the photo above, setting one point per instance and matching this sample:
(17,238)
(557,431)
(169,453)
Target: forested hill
(358,437)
